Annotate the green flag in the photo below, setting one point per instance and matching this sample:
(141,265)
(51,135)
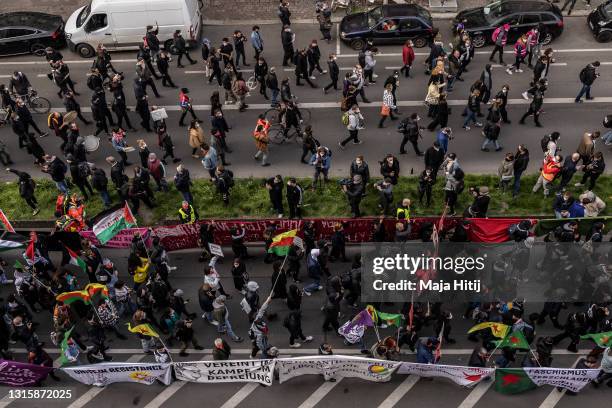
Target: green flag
(601,339)
(514,340)
(64,347)
(391,319)
(512,380)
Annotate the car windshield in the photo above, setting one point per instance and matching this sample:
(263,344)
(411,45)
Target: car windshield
(494,11)
(607,9)
(82,17)
(374,16)
(424,13)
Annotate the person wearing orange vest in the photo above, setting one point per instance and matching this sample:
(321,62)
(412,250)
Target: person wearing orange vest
(550,168)
(76,211)
(260,134)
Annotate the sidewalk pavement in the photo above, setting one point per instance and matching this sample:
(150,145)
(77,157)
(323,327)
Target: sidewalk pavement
(249,11)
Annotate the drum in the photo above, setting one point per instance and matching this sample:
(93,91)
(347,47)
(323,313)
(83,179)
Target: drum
(70,117)
(91,143)
(129,149)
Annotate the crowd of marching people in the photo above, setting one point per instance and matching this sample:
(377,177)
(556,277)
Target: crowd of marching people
(144,293)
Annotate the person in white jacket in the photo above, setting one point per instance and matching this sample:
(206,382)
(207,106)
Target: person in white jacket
(370,63)
(355,123)
(387,105)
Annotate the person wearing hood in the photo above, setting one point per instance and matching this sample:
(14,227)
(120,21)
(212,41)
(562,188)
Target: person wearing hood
(258,332)
(27,186)
(506,172)
(314,272)
(370,63)
(354,193)
(479,207)
(593,205)
(287,39)
(499,37)
(487,82)
(221,350)
(252,299)
(221,316)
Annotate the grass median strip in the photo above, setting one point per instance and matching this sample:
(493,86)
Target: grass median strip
(249,199)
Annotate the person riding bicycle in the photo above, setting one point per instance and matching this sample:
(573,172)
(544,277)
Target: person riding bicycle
(290,116)
(19,84)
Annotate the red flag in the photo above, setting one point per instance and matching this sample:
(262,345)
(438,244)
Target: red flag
(411,315)
(438,354)
(5,222)
(30,251)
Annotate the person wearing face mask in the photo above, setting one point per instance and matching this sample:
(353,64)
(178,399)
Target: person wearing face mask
(261,71)
(355,123)
(354,193)
(301,68)
(287,39)
(314,56)
(19,84)
(163,64)
(360,167)
(387,106)
(272,82)
(325,24)
(196,138)
(181,49)
(145,74)
(284,14)
(239,41)
(390,168)
(502,97)
(334,73)
(226,50)
(426,182)
(118,105)
(535,108)
(466,51)
(186,106)
(256,41)
(410,129)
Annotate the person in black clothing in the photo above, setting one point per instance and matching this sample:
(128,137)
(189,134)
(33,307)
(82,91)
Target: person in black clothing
(434,157)
(587,78)
(295,195)
(215,66)
(314,56)
(136,194)
(102,62)
(292,117)
(143,178)
(409,127)
(441,114)
(100,112)
(521,161)
(224,180)
(570,166)
(163,65)
(502,97)
(593,170)
(117,174)
(479,207)
(142,107)
(261,72)
(426,182)
(182,182)
(79,173)
(226,51)
(144,53)
(99,182)
(118,105)
(71,105)
(272,84)
(287,39)
(25,116)
(535,107)
(338,244)
(181,49)
(152,41)
(301,69)
(19,83)
(284,14)
(239,41)
(390,168)
(354,193)
(27,186)
(332,304)
(334,73)
(274,185)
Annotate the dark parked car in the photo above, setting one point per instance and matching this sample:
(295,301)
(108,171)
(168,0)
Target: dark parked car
(522,15)
(388,24)
(600,22)
(30,32)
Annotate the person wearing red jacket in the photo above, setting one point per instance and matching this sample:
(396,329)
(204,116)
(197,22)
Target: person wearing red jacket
(407,58)
(520,52)
(550,168)
(499,37)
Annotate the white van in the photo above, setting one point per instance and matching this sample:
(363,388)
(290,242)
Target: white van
(121,24)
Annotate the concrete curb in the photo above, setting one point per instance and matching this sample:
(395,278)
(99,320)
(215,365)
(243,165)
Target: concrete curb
(436,16)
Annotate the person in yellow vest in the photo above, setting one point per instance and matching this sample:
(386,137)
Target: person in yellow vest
(141,272)
(187,214)
(403,210)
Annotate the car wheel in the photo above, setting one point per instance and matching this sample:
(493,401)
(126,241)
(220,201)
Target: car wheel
(358,44)
(85,50)
(547,39)
(479,41)
(419,42)
(37,49)
(604,36)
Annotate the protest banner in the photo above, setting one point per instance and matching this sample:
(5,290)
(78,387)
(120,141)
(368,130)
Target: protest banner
(16,374)
(122,240)
(465,376)
(103,374)
(337,367)
(257,371)
(517,380)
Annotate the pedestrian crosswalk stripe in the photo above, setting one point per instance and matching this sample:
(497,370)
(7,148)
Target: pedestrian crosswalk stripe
(399,392)
(239,396)
(555,395)
(476,394)
(319,394)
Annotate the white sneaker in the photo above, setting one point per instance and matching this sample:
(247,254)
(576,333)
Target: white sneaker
(525,95)
(508,71)
(295,345)
(466,127)
(7,282)
(374,76)
(325,71)
(383,326)
(172,268)
(320,287)
(280,215)
(313,77)
(578,185)
(308,338)
(519,70)
(307,293)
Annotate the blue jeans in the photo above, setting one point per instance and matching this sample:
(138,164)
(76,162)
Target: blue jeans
(62,186)
(586,89)
(607,137)
(517,183)
(471,116)
(487,141)
(313,286)
(187,196)
(226,327)
(106,198)
(274,100)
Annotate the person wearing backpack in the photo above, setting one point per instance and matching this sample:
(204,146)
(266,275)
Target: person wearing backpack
(521,161)
(27,186)
(409,127)
(587,77)
(353,119)
(550,144)
(499,37)
(79,172)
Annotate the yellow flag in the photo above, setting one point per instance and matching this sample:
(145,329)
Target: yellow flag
(143,329)
(499,330)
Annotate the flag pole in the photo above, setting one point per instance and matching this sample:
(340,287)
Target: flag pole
(279,272)
(144,244)
(167,349)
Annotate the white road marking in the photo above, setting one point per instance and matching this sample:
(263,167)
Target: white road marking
(337,39)
(168,391)
(202,72)
(242,393)
(555,395)
(81,61)
(476,394)
(319,394)
(424,54)
(399,392)
(94,391)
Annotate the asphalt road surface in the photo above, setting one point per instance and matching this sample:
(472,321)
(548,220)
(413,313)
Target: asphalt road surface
(574,49)
(304,391)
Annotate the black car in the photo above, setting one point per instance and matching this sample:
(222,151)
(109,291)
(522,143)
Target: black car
(30,32)
(522,15)
(388,24)
(600,22)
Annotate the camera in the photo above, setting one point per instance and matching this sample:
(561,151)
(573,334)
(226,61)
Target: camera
(345,182)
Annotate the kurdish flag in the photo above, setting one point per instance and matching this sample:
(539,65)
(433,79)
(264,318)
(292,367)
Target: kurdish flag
(514,340)
(601,339)
(517,380)
(499,330)
(391,319)
(282,242)
(372,312)
(114,223)
(76,260)
(144,329)
(64,347)
(84,295)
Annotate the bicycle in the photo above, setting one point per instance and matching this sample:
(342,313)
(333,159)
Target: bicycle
(277,128)
(252,82)
(38,104)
